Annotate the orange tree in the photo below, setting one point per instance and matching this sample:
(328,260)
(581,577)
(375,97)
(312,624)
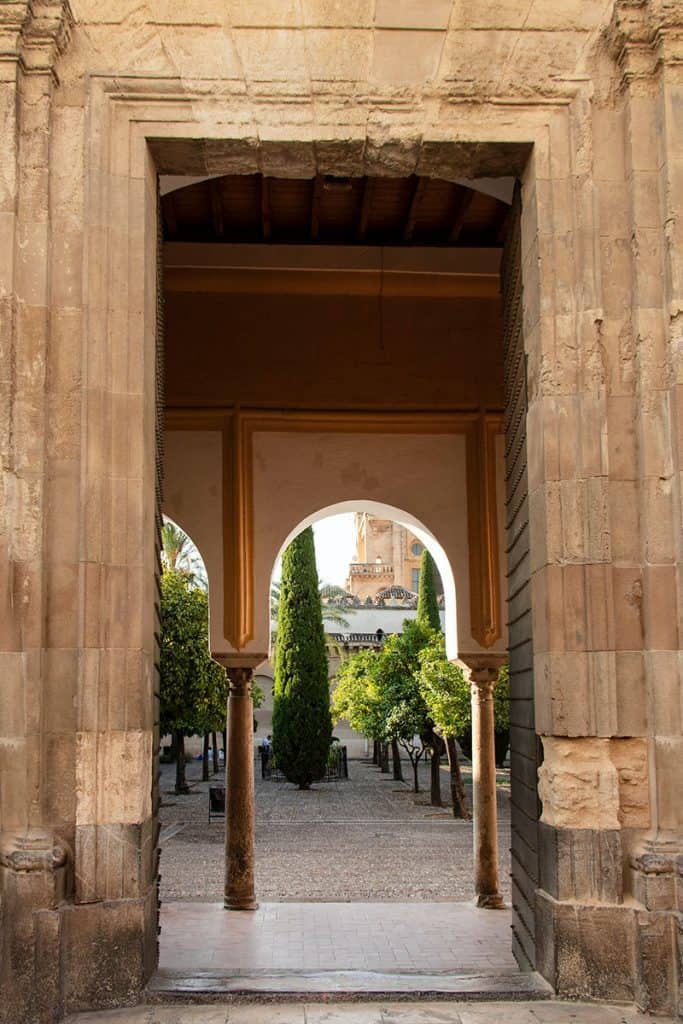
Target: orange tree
(193,687)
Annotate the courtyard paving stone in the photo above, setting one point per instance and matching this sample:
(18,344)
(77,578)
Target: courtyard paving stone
(365,838)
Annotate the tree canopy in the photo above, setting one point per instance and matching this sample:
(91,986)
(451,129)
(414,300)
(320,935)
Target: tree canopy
(427,603)
(302,725)
(179,554)
(193,685)
(445,689)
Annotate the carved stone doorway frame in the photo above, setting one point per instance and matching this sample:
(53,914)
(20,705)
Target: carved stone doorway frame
(140,128)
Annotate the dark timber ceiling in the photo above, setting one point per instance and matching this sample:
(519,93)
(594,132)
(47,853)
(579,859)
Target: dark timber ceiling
(358,211)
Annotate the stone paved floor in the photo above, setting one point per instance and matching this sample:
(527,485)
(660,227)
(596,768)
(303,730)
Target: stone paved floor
(376,1013)
(368,838)
(427,937)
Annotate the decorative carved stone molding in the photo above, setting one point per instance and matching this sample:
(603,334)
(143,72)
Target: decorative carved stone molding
(35,33)
(645,33)
(32,850)
(658,874)
(240,681)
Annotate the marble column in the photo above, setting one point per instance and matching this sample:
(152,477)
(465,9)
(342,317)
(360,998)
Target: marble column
(485,832)
(239,791)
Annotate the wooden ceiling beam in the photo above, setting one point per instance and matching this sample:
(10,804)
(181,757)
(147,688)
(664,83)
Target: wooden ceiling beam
(419,188)
(266,224)
(464,202)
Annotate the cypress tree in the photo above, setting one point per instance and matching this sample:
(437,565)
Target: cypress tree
(302,725)
(427,604)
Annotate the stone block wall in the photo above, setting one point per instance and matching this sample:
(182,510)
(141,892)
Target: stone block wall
(582,102)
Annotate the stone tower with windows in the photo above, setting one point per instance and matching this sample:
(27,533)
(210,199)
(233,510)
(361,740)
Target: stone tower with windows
(387,554)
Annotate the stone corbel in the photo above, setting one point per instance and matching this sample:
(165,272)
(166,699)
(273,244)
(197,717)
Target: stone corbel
(45,35)
(643,34)
(12,17)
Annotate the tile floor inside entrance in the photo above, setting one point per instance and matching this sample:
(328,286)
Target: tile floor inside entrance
(336,936)
(376,1013)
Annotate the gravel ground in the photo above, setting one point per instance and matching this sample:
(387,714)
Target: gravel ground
(365,838)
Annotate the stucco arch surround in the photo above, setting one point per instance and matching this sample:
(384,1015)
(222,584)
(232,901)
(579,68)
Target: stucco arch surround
(420,479)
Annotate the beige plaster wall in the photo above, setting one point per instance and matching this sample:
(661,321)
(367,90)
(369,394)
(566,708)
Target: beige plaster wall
(193,498)
(298,474)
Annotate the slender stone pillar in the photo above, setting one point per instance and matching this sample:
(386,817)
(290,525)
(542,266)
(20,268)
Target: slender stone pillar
(486,884)
(239,791)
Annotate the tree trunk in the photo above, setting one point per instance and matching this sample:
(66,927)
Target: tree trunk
(225,748)
(435,766)
(205,758)
(396,758)
(375,752)
(460,809)
(214,750)
(416,784)
(384,758)
(181,785)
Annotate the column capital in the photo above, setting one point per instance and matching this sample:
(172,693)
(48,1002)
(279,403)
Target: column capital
(481,669)
(239,669)
(239,679)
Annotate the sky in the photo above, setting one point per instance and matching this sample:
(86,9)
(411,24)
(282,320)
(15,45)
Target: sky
(335,547)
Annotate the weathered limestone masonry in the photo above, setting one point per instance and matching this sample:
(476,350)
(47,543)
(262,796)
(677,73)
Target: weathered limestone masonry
(582,100)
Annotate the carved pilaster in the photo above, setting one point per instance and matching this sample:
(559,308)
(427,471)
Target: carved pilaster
(34,869)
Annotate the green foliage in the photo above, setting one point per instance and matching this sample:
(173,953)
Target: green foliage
(179,554)
(378,692)
(427,604)
(357,695)
(302,726)
(405,711)
(193,685)
(445,689)
(448,697)
(501,700)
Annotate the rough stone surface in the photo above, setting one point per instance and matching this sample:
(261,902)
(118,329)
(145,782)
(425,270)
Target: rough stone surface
(580,100)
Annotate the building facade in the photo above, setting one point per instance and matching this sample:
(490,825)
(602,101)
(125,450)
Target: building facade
(387,554)
(285,205)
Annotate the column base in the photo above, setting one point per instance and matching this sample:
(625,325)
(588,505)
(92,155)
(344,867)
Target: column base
(491,901)
(235,904)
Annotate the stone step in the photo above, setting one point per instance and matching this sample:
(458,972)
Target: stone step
(323,986)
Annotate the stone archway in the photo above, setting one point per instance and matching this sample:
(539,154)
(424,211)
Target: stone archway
(78,855)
